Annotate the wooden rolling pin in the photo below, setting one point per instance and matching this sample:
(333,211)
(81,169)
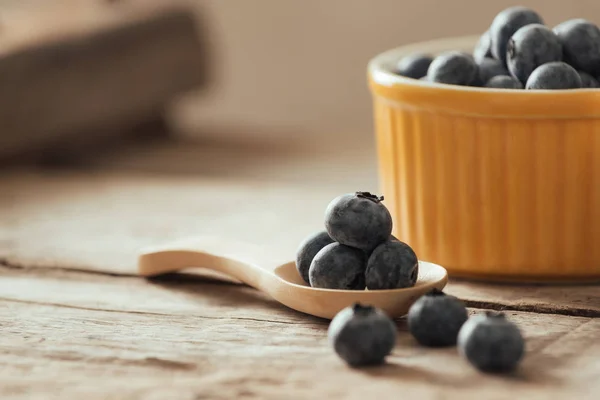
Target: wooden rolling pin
(94,82)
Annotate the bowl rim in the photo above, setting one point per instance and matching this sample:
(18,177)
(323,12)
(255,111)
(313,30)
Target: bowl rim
(384,83)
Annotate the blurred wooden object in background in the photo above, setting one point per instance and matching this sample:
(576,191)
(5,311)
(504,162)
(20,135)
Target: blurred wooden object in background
(78,75)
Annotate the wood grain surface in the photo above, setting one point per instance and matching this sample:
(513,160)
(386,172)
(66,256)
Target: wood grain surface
(69,335)
(76,322)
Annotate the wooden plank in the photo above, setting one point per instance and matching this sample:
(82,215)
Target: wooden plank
(106,337)
(83,80)
(577,300)
(92,220)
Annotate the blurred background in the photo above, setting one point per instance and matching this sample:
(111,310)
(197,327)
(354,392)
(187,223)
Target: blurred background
(277,70)
(299,67)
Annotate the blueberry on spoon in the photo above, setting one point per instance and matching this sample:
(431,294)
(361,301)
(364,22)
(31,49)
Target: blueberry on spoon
(337,266)
(308,249)
(358,220)
(392,265)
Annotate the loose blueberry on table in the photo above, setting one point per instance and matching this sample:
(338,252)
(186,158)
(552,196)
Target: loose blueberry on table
(436,318)
(491,343)
(362,335)
(307,251)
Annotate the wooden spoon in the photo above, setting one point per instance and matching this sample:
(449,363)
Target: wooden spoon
(254,267)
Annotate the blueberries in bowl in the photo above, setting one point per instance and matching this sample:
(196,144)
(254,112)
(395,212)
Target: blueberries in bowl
(490,68)
(491,343)
(554,75)
(580,40)
(362,335)
(504,82)
(435,319)
(504,26)
(414,66)
(483,48)
(453,67)
(530,47)
(516,44)
(588,81)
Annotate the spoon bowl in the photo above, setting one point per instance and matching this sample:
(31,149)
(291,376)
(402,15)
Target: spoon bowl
(253,266)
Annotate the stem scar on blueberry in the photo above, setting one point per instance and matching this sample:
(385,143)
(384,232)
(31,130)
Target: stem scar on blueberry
(370,196)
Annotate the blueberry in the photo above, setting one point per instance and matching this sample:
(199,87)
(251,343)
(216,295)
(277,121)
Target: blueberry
(588,81)
(392,265)
(554,75)
(307,251)
(436,318)
(530,47)
(414,65)
(504,82)
(338,267)
(505,24)
(491,343)
(489,68)
(454,68)
(362,335)
(482,48)
(581,44)
(359,220)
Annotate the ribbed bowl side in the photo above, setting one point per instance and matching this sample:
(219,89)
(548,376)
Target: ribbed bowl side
(507,198)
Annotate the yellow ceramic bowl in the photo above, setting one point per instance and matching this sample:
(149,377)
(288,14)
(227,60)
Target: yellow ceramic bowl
(494,184)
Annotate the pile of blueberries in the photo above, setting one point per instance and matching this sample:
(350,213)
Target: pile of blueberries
(518,51)
(363,335)
(357,251)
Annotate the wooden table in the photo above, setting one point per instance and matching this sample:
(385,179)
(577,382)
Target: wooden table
(75,321)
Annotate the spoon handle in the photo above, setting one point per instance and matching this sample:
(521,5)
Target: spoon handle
(241,261)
